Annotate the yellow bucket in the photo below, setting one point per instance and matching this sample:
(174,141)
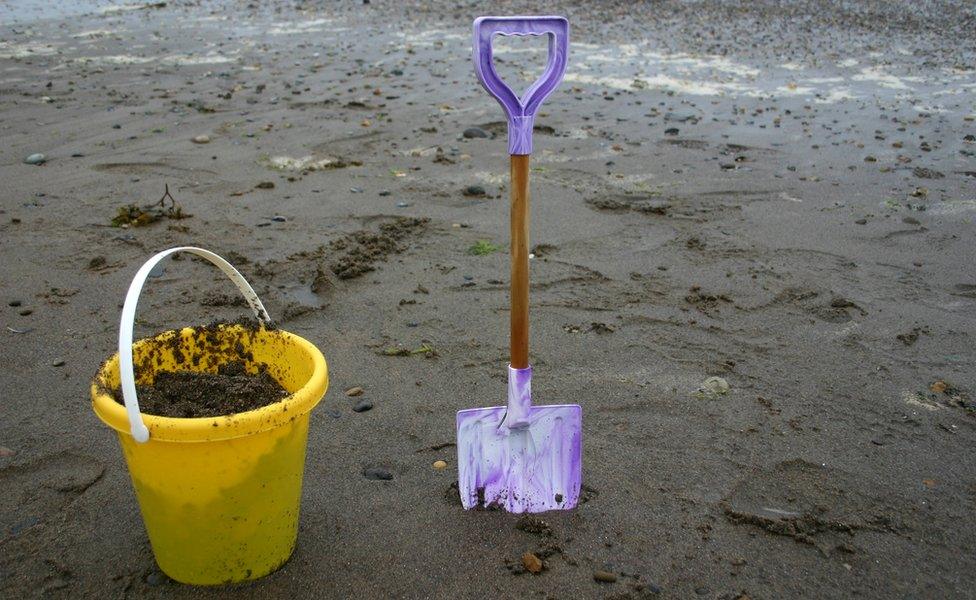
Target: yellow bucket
(219,496)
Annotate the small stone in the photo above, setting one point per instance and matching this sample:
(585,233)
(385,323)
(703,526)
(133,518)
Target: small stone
(715,385)
(938,387)
(475,132)
(924,173)
(14,303)
(861,221)
(201,139)
(334,414)
(385,192)
(474,190)
(402,204)
(362,406)
(377,474)
(157,578)
(265,185)
(36,159)
(604,576)
(598,327)
(439,465)
(278,219)
(870,158)
(680,117)
(354,391)
(58,363)
(671,131)
(25,312)
(5,452)
(532,563)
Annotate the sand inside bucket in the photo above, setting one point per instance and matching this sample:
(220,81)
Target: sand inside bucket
(192,394)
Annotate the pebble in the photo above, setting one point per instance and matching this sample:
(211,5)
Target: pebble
(923,173)
(474,190)
(362,406)
(5,452)
(680,117)
(265,185)
(354,391)
(715,385)
(25,312)
(439,465)
(475,132)
(157,578)
(377,474)
(604,576)
(278,219)
(671,131)
(938,387)
(385,192)
(14,303)
(201,139)
(402,204)
(334,414)
(532,563)
(36,159)
(58,363)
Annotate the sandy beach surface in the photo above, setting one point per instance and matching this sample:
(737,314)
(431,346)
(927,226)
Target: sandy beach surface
(778,194)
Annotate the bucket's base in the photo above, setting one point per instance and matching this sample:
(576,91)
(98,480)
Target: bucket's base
(249,574)
(243,528)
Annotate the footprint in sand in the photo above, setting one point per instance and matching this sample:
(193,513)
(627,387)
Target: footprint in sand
(813,504)
(34,491)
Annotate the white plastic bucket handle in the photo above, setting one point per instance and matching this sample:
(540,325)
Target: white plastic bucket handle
(126,372)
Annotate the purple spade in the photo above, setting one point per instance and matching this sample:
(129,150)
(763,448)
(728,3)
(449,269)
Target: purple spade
(520,457)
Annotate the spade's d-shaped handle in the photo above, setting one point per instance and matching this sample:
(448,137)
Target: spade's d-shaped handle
(520,111)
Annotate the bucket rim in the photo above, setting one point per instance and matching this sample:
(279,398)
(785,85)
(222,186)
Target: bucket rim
(223,427)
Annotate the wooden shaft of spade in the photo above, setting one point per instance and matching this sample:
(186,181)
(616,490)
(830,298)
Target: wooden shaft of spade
(520,261)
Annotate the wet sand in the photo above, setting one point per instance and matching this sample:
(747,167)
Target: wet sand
(780,196)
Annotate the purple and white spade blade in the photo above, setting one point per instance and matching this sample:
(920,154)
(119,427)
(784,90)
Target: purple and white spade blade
(520,458)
